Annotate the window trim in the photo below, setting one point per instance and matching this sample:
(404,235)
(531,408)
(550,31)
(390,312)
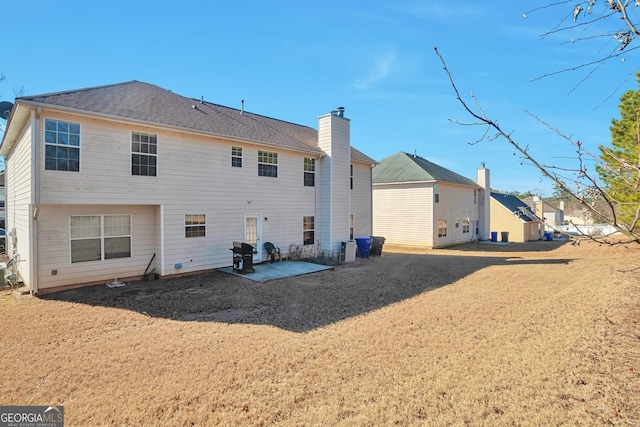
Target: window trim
(311,230)
(57,144)
(269,168)
(309,171)
(466,225)
(141,153)
(102,237)
(191,226)
(442,228)
(236,156)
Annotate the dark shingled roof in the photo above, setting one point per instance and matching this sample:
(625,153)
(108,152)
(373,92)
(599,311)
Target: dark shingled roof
(147,103)
(515,205)
(403,167)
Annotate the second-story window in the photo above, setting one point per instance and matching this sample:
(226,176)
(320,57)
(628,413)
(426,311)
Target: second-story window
(309,172)
(61,145)
(144,154)
(267,164)
(236,157)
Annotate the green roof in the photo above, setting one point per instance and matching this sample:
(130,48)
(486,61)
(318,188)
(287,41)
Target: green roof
(403,167)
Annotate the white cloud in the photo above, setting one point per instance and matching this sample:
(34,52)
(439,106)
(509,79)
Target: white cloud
(442,11)
(383,66)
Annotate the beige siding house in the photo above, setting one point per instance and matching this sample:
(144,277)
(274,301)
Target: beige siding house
(513,216)
(102,181)
(419,204)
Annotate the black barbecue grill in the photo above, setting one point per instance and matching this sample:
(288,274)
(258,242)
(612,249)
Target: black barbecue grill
(243,257)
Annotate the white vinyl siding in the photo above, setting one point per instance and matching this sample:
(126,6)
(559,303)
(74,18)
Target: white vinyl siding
(56,269)
(195,178)
(19,172)
(332,221)
(414,204)
(410,204)
(361,203)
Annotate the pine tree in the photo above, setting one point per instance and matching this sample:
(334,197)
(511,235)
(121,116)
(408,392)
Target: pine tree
(619,170)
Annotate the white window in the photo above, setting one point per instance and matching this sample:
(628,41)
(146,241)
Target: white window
(195,225)
(61,145)
(465,225)
(236,157)
(309,172)
(99,237)
(308,230)
(436,193)
(267,164)
(144,154)
(442,228)
(475,197)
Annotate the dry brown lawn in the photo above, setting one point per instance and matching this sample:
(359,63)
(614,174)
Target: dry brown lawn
(541,333)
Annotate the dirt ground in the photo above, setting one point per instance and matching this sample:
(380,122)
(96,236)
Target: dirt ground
(525,334)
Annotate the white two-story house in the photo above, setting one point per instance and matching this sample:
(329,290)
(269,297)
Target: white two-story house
(105,180)
(419,204)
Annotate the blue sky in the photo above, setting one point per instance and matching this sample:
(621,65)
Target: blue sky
(297,60)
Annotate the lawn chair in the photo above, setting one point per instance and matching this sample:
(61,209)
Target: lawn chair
(272,251)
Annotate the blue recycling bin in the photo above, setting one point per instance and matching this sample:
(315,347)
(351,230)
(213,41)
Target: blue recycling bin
(364,246)
(494,236)
(548,236)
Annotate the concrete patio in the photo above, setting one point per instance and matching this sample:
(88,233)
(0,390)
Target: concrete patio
(266,271)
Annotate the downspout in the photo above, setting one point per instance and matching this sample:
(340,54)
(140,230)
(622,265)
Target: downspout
(371,198)
(316,216)
(35,165)
(162,237)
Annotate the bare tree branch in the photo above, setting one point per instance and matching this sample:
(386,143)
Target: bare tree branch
(584,179)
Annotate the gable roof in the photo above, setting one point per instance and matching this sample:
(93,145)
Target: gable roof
(145,103)
(516,206)
(403,167)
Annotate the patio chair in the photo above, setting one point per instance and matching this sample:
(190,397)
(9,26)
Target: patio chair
(272,251)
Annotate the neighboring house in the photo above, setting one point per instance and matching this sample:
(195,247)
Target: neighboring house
(419,204)
(578,217)
(511,215)
(106,180)
(552,216)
